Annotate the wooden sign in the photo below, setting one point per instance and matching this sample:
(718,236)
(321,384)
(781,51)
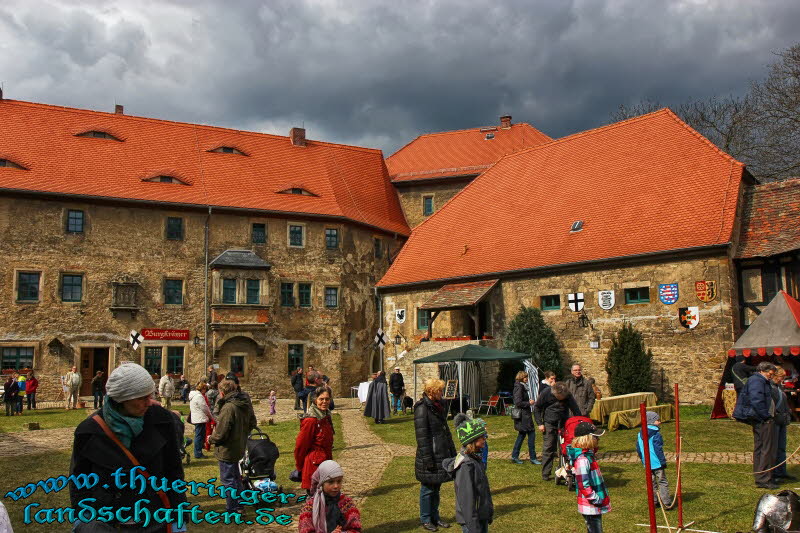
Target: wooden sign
(450,389)
(166,334)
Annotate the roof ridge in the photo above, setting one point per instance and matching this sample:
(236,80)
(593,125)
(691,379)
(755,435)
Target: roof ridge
(776,184)
(183,124)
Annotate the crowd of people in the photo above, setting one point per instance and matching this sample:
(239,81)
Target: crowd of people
(16,389)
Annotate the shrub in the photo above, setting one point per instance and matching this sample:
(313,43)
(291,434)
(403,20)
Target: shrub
(628,363)
(529,333)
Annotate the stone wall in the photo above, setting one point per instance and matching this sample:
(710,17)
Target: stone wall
(121,242)
(411,195)
(694,358)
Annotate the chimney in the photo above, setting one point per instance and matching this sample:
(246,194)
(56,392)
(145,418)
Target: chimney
(119,109)
(298,136)
(505,121)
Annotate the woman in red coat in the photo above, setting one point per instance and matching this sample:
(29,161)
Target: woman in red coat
(314,442)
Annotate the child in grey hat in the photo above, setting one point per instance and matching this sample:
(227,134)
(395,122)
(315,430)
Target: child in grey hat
(658,462)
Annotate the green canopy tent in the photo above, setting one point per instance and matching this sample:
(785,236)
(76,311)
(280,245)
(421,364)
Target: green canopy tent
(467,352)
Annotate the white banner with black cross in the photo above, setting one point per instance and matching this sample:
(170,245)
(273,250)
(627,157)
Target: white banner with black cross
(135,339)
(575,301)
(381,338)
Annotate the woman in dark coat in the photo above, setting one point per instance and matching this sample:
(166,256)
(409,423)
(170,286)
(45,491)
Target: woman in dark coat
(377,405)
(147,431)
(434,445)
(524,424)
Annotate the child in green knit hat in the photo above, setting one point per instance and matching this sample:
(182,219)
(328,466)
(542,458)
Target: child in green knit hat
(474,508)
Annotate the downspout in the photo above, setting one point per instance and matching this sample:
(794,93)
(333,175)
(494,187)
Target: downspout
(205,294)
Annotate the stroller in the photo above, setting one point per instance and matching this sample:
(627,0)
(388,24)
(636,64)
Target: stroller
(564,475)
(257,467)
(184,442)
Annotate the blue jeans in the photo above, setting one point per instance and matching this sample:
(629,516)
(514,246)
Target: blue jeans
(594,523)
(229,476)
(199,439)
(397,402)
(531,445)
(31,400)
(98,400)
(429,503)
(485,454)
(781,455)
(20,399)
(483,527)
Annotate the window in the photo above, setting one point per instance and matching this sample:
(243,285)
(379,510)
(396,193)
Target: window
(576,226)
(163,178)
(304,292)
(253,291)
(427,206)
(638,295)
(28,286)
(259,234)
(296,235)
(229,291)
(71,287)
(295,357)
(378,248)
(173,291)
(551,302)
(17,358)
(174,228)
(296,190)
(489,136)
(74,221)
(227,150)
(331,297)
(98,135)
(175,359)
(237,365)
(152,359)
(287,294)
(331,238)
(423,317)
(10,164)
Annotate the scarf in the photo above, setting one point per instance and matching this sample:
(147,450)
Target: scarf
(324,509)
(125,427)
(317,413)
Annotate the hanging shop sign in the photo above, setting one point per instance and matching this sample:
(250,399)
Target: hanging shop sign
(668,293)
(705,290)
(689,316)
(605,299)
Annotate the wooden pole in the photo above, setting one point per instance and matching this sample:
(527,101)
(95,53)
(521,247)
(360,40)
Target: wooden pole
(678,492)
(648,473)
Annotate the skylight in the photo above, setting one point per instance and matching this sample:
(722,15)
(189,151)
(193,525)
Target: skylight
(10,164)
(95,134)
(297,190)
(163,178)
(227,150)
(489,136)
(576,226)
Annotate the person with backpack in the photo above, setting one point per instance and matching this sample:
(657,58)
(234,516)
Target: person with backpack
(658,461)
(756,407)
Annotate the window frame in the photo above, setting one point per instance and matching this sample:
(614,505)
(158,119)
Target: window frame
(302,227)
(151,357)
(231,284)
(284,285)
(292,358)
(335,293)
(550,307)
(377,247)
(171,357)
(18,356)
(65,275)
(335,233)
(629,300)
(18,291)
(300,295)
(172,237)
(253,233)
(249,285)
(166,290)
(68,228)
(425,212)
(427,317)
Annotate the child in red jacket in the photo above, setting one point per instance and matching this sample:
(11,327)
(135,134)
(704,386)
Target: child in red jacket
(328,510)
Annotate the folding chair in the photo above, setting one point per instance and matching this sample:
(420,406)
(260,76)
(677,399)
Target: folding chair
(491,403)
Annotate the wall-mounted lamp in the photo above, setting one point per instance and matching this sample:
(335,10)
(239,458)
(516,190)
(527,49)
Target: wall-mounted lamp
(335,345)
(196,340)
(399,339)
(583,320)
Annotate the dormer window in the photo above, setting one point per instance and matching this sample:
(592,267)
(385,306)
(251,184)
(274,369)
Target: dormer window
(227,150)
(10,164)
(95,134)
(166,179)
(297,190)
(576,226)
(489,136)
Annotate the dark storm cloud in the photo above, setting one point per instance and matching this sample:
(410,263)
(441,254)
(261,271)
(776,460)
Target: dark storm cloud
(380,73)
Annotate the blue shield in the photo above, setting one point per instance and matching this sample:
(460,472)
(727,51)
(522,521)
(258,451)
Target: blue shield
(668,293)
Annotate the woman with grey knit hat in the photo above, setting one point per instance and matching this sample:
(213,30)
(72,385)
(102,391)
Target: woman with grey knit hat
(130,430)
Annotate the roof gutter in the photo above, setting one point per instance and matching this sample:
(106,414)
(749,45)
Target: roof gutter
(566,267)
(200,207)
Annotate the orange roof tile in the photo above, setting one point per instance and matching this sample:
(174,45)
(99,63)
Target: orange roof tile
(459,295)
(645,185)
(351,182)
(771,219)
(458,153)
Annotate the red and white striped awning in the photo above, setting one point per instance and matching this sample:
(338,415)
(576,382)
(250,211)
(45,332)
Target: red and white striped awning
(776,331)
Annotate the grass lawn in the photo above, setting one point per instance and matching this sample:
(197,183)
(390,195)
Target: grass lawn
(700,434)
(55,417)
(717,499)
(36,467)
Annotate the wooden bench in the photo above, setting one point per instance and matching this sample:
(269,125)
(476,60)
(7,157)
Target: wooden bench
(631,418)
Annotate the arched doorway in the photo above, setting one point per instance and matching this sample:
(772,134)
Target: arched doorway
(237,355)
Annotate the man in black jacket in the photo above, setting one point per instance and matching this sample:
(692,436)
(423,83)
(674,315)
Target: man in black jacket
(756,407)
(397,388)
(551,410)
(297,385)
(740,373)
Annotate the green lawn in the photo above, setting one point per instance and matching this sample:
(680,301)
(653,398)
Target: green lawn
(35,467)
(55,417)
(700,434)
(716,499)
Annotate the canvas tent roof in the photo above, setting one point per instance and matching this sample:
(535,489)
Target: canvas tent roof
(776,331)
(472,352)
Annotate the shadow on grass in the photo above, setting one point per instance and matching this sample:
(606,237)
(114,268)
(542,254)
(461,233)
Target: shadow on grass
(385,489)
(613,476)
(511,488)
(412,523)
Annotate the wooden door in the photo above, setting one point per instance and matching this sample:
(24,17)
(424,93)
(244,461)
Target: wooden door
(87,362)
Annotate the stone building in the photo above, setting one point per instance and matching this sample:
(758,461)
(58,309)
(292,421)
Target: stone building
(639,222)
(432,168)
(255,252)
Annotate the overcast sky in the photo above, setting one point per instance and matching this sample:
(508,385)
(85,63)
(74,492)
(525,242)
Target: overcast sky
(377,73)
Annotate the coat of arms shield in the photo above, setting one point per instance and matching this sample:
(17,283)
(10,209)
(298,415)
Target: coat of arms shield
(605,299)
(689,316)
(668,293)
(706,290)
(400,315)
(575,301)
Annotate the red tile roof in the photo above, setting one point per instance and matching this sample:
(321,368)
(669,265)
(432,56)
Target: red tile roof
(350,182)
(645,185)
(771,219)
(459,295)
(458,153)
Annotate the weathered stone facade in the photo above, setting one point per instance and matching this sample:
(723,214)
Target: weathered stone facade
(125,243)
(412,193)
(693,357)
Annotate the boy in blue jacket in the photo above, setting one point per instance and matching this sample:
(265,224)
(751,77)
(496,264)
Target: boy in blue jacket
(658,462)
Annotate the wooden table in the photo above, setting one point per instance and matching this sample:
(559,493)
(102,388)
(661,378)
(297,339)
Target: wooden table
(604,407)
(632,419)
